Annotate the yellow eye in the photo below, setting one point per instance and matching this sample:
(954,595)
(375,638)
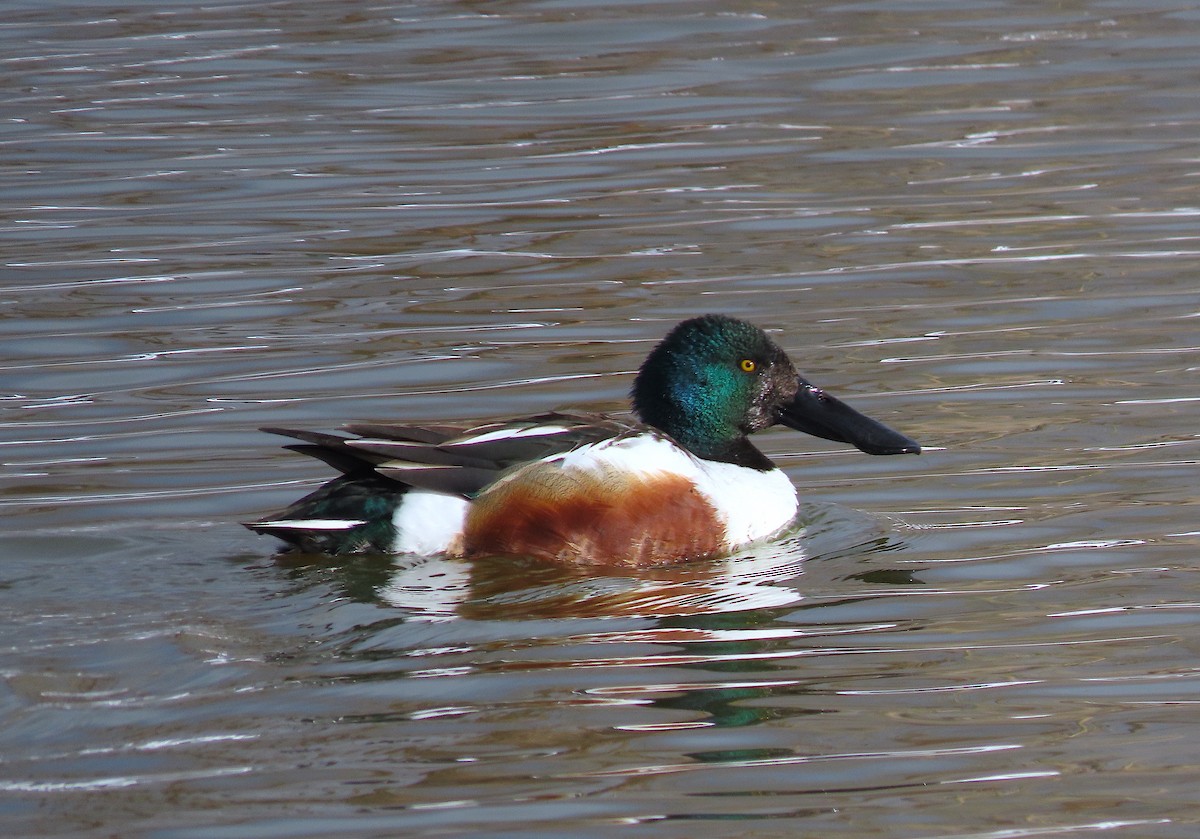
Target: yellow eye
(748,365)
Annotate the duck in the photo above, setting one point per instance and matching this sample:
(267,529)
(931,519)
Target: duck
(678,481)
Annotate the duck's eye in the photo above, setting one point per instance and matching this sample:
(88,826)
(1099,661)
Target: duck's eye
(748,365)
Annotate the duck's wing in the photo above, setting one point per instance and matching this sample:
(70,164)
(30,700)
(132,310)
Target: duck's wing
(458,460)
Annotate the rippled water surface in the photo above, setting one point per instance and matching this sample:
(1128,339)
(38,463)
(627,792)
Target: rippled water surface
(976,221)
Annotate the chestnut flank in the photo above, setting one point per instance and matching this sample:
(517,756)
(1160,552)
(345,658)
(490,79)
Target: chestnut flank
(577,517)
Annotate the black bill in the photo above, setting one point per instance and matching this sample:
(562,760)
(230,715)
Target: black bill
(815,412)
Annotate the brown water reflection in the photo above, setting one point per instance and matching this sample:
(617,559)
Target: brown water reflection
(978,223)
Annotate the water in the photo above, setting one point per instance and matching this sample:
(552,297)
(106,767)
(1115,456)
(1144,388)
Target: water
(976,222)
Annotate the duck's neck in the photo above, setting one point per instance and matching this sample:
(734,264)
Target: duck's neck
(736,449)
(739,451)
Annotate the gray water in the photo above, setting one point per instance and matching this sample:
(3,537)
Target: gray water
(975,221)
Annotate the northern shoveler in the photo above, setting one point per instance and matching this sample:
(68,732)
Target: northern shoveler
(587,489)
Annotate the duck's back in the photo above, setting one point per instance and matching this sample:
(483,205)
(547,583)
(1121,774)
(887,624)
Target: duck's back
(570,488)
(407,488)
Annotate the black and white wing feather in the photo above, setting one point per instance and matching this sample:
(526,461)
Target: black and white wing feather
(457,460)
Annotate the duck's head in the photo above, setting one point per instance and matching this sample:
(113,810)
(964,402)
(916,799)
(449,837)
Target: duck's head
(715,379)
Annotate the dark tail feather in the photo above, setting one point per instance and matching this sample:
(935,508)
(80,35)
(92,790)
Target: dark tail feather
(346,515)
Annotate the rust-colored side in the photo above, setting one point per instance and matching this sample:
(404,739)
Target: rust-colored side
(586,518)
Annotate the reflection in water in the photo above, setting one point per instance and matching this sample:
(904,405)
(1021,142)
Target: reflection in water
(441,588)
(763,577)
(496,588)
(219,217)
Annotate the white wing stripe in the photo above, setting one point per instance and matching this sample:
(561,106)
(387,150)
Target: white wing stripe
(510,434)
(312,524)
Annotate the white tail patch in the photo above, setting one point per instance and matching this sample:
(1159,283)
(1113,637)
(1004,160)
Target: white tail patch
(428,522)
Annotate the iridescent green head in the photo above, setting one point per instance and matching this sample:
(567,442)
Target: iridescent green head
(713,380)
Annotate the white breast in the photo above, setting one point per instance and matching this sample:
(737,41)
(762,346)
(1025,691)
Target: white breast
(755,505)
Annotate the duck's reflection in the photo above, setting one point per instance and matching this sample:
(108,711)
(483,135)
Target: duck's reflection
(506,587)
(766,576)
